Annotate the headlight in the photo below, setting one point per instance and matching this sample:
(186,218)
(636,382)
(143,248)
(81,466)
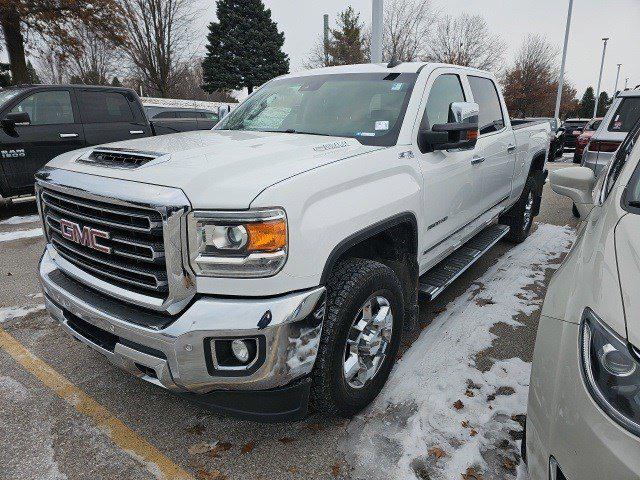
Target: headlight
(612,373)
(243,244)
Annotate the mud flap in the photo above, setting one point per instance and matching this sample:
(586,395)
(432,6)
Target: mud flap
(539,178)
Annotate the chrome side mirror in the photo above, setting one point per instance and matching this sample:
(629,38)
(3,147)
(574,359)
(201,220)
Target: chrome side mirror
(223,111)
(465,112)
(576,183)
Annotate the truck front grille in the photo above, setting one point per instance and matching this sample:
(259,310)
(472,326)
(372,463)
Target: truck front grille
(119,244)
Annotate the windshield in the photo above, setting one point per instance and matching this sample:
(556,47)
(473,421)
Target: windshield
(6,95)
(367,106)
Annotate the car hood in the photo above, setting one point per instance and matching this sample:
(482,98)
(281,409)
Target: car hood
(220,168)
(628,259)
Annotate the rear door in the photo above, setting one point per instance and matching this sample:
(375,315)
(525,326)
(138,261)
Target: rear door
(496,145)
(111,115)
(54,129)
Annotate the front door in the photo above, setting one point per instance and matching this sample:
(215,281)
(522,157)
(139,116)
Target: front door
(447,174)
(53,129)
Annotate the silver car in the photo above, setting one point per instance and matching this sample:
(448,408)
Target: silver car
(583,419)
(622,115)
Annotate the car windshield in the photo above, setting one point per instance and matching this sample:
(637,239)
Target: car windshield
(626,115)
(367,106)
(6,95)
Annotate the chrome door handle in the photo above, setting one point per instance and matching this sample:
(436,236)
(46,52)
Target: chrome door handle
(68,135)
(511,148)
(136,132)
(477,160)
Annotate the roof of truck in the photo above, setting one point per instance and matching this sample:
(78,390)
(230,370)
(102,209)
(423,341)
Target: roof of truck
(403,67)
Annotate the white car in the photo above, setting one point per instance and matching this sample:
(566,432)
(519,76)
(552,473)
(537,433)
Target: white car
(272,262)
(616,124)
(583,418)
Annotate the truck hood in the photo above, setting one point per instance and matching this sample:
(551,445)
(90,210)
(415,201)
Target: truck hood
(627,236)
(221,168)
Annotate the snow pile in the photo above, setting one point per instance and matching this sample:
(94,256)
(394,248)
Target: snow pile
(439,417)
(9,313)
(21,219)
(9,236)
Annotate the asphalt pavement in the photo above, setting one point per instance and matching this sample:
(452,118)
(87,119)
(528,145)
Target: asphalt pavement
(66,413)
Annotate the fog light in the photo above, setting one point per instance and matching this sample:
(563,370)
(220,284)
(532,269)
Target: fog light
(240,350)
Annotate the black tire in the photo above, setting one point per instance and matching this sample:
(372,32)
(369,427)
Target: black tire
(575,211)
(351,284)
(523,445)
(515,218)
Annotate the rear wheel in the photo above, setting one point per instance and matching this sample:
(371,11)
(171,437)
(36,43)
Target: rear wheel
(519,218)
(360,337)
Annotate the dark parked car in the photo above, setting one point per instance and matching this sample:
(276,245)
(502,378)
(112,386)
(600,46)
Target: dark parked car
(172,120)
(583,139)
(39,122)
(573,128)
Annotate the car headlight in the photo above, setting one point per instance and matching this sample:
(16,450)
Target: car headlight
(611,371)
(242,244)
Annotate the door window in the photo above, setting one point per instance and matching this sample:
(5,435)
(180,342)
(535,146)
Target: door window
(486,96)
(170,114)
(445,90)
(105,107)
(626,116)
(187,114)
(47,108)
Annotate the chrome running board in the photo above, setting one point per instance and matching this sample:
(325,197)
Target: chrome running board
(433,282)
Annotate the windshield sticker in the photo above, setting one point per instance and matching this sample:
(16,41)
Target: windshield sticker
(397,86)
(365,134)
(330,146)
(382,125)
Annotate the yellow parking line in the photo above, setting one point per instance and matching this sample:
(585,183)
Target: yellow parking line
(118,432)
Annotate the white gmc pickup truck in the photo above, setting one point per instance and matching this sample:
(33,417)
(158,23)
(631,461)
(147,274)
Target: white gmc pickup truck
(269,266)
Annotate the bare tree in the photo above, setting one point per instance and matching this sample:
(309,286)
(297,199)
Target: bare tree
(466,40)
(408,26)
(97,61)
(531,83)
(158,39)
(51,64)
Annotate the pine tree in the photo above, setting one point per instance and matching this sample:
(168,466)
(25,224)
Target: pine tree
(32,75)
(244,47)
(346,45)
(587,103)
(603,104)
(116,82)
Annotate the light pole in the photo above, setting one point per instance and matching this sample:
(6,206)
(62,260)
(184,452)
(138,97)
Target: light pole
(325,35)
(376,31)
(564,59)
(615,90)
(626,83)
(604,50)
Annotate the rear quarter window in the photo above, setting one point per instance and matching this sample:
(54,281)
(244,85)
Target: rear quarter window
(627,114)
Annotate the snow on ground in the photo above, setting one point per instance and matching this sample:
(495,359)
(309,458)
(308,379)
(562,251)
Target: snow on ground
(15,235)
(9,313)
(439,417)
(20,219)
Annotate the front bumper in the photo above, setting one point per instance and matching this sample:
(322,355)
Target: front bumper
(563,420)
(174,354)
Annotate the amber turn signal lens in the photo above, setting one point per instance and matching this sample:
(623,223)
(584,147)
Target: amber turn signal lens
(267,236)
(472,134)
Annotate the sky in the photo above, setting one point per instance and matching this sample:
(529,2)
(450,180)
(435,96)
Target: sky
(301,21)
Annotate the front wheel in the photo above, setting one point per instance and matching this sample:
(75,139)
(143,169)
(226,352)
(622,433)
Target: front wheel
(360,337)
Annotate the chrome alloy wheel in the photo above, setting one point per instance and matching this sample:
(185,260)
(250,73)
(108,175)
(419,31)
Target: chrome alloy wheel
(367,342)
(528,209)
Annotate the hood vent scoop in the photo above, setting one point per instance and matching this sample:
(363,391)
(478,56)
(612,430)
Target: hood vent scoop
(119,158)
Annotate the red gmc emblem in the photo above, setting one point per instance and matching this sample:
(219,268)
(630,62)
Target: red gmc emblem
(86,236)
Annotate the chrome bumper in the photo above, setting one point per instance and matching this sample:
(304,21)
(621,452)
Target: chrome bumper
(177,353)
